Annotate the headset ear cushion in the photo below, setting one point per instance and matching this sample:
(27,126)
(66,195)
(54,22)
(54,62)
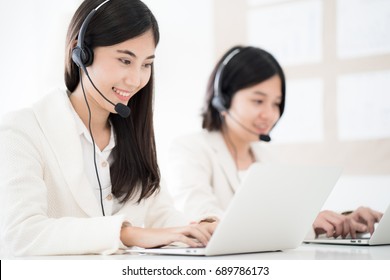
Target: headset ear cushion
(217,103)
(76,56)
(82,57)
(87,56)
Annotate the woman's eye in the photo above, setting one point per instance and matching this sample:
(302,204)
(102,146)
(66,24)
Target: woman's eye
(125,61)
(148,65)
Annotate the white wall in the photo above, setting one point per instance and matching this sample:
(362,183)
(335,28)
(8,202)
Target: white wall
(184,60)
(32,49)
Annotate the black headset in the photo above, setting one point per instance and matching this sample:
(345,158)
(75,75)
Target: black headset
(218,101)
(82,55)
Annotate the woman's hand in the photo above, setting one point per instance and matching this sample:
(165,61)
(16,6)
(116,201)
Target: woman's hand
(194,235)
(363,219)
(331,223)
(334,224)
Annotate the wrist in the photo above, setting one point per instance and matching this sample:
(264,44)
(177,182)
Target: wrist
(125,235)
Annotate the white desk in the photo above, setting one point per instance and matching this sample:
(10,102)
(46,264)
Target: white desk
(335,262)
(303,252)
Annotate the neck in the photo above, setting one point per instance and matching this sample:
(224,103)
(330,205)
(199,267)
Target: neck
(99,116)
(239,149)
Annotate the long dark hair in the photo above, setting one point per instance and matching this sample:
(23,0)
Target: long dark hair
(135,169)
(247,68)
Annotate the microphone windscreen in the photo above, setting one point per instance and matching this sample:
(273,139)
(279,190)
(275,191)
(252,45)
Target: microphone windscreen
(265,138)
(122,110)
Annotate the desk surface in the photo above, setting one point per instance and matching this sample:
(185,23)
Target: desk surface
(303,252)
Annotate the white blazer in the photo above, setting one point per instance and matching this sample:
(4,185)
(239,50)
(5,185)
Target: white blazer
(47,204)
(201,173)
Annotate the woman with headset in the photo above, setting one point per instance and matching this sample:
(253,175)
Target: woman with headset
(245,99)
(79,173)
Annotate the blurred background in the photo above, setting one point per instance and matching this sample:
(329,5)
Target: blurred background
(336,55)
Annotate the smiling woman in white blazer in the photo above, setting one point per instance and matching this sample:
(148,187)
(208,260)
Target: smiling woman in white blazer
(77,178)
(245,98)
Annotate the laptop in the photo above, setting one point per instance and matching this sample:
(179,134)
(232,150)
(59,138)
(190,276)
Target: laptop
(381,235)
(272,210)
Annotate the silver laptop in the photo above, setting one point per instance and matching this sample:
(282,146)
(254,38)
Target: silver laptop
(381,235)
(272,210)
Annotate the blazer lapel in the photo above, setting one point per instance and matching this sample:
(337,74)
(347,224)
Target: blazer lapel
(224,158)
(57,122)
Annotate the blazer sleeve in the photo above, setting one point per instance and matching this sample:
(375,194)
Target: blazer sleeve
(162,212)
(189,178)
(25,226)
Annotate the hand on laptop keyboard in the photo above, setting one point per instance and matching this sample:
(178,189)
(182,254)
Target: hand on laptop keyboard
(363,219)
(335,225)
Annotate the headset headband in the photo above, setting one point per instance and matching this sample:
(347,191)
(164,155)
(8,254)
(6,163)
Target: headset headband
(218,101)
(218,80)
(81,54)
